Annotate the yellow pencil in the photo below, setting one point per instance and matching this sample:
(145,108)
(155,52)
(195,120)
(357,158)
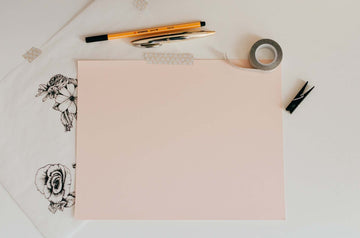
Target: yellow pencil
(147,31)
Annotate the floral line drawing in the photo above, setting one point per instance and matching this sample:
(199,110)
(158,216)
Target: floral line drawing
(63,91)
(54,182)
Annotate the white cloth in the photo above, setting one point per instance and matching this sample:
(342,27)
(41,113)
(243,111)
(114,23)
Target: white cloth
(36,152)
(37,143)
(23,26)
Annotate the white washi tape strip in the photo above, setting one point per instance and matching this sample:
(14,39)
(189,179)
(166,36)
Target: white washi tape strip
(169,58)
(255,62)
(140,4)
(32,54)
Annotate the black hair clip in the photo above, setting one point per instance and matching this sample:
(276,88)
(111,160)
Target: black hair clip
(298,98)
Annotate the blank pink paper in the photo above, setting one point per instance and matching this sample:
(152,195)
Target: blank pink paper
(178,142)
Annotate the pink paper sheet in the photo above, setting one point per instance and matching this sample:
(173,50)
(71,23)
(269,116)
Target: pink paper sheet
(178,142)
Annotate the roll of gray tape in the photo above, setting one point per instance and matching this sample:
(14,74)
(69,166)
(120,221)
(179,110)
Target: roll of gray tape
(255,63)
(271,45)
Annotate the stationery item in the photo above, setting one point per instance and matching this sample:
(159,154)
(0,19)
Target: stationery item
(32,54)
(300,96)
(169,58)
(158,40)
(178,142)
(258,64)
(140,4)
(147,31)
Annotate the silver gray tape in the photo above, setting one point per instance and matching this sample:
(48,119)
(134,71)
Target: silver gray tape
(255,63)
(269,44)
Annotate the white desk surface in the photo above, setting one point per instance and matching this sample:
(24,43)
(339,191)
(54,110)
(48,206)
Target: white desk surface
(320,40)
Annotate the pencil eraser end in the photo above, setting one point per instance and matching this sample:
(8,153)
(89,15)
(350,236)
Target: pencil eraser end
(202,23)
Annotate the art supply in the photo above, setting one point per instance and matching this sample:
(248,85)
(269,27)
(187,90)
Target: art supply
(140,4)
(158,40)
(300,96)
(257,64)
(178,142)
(32,54)
(169,58)
(147,31)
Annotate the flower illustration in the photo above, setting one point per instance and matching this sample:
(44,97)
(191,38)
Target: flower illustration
(67,99)
(66,119)
(63,90)
(54,182)
(51,89)
(59,81)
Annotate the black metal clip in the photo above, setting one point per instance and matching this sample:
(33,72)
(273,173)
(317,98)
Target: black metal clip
(298,98)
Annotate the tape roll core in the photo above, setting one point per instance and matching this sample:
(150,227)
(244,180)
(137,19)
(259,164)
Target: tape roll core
(265,43)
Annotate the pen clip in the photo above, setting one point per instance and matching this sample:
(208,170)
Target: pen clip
(148,45)
(158,40)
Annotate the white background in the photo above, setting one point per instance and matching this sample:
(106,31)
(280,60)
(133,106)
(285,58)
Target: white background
(321,44)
